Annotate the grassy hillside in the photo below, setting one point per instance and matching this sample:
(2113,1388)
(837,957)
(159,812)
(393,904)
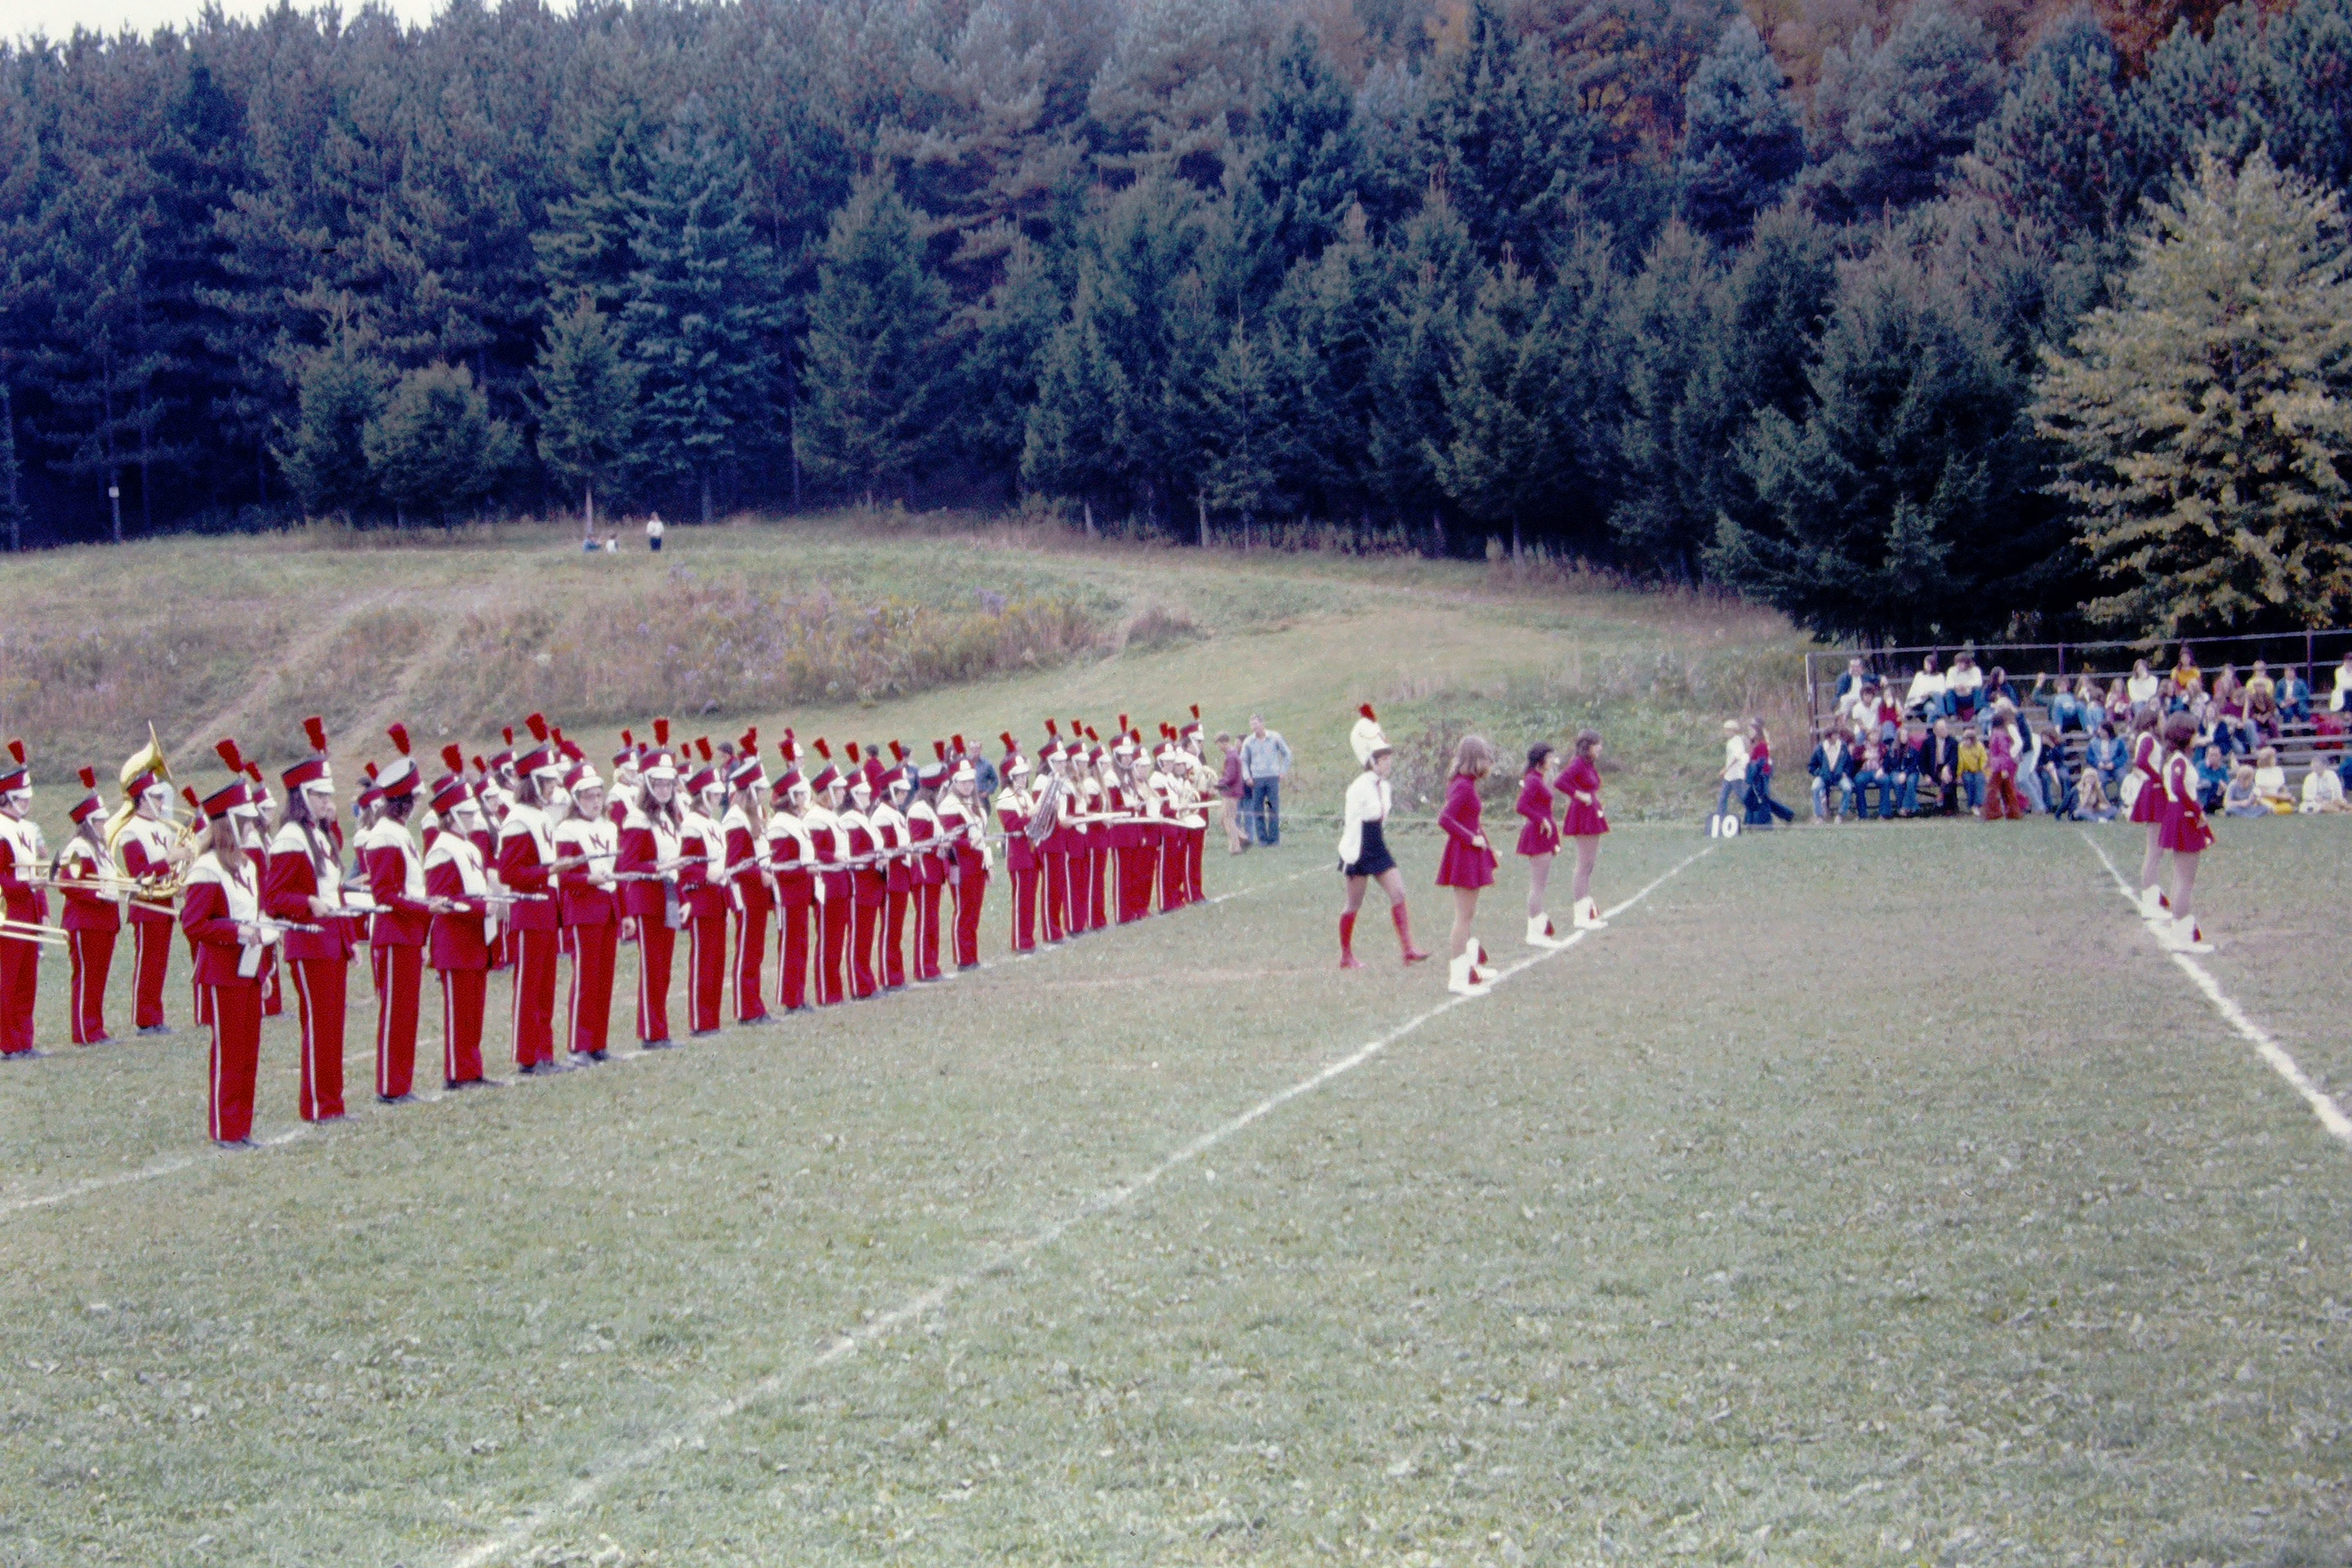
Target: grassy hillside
(870,627)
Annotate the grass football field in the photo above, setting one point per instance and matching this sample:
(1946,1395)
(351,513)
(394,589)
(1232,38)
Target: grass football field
(1861,1195)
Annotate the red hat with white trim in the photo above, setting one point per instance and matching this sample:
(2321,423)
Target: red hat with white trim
(504,758)
(1194,727)
(370,791)
(399,781)
(542,758)
(313,768)
(1015,762)
(90,803)
(13,774)
(828,776)
(449,793)
(656,761)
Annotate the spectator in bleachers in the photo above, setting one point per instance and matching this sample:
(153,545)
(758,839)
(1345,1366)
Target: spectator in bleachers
(1926,698)
(2028,743)
(1905,761)
(2340,699)
(2054,774)
(2107,756)
(1999,689)
(2001,776)
(1972,760)
(1849,687)
(1941,763)
(2269,781)
(2188,681)
(2261,701)
(1870,781)
(2119,704)
(2323,789)
(1964,688)
(2212,777)
(2091,801)
(2074,707)
(2293,696)
(1890,715)
(2229,694)
(1831,765)
(2143,685)
(2238,797)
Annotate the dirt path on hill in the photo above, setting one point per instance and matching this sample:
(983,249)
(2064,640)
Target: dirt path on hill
(314,644)
(451,611)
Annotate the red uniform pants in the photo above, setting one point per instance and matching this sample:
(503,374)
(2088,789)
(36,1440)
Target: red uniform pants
(1097,863)
(706,942)
(319,999)
(20,975)
(751,952)
(153,941)
(1024,909)
(461,1025)
(893,939)
(234,1013)
(792,956)
(657,944)
(1057,894)
(591,1019)
(1082,886)
(972,891)
(865,920)
(92,955)
(399,975)
(832,947)
(533,1024)
(1135,862)
(1171,870)
(1199,838)
(926,930)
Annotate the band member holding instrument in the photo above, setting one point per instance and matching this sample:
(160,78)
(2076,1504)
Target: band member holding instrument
(395,873)
(222,917)
(749,898)
(586,847)
(303,884)
(800,892)
(27,905)
(868,883)
(703,887)
(893,840)
(650,844)
(831,842)
(1014,805)
(92,917)
(963,822)
(925,837)
(152,852)
(458,881)
(526,870)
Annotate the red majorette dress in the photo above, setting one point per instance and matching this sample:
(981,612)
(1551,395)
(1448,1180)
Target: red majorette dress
(1584,818)
(2151,804)
(1467,863)
(2185,830)
(1540,837)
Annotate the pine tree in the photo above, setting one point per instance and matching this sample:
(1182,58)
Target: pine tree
(1003,353)
(1300,169)
(339,389)
(2207,418)
(1663,524)
(589,241)
(1430,273)
(2056,153)
(1250,432)
(1891,117)
(702,311)
(1502,406)
(1329,313)
(12,501)
(1498,132)
(878,354)
(587,401)
(1077,442)
(433,445)
(1743,141)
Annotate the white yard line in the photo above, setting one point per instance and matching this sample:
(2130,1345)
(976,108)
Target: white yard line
(173,1164)
(2323,1105)
(603,1474)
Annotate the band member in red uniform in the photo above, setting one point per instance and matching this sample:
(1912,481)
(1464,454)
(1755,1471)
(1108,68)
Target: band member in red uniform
(2150,806)
(303,886)
(149,849)
(222,916)
(26,906)
(1168,768)
(1584,823)
(1053,852)
(749,899)
(585,852)
(963,822)
(791,861)
(1094,778)
(1013,805)
(457,880)
(703,884)
(1138,830)
(836,902)
(927,865)
(1539,839)
(526,870)
(891,835)
(651,844)
(1075,825)
(2187,836)
(493,791)
(868,883)
(92,917)
(1469,865)
(395,873)
(1196,833)
(273,990)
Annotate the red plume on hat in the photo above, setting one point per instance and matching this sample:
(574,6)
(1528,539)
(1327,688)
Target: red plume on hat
(702,745)
(852,753)
(509,733)
(957,741)
(1196,711)
(314,729)
(370,771)
(1091,735)
(628,740)
(252,770)
(940,750)
(1006,736)
(1077,729)
(537,724)
(661,732)
(1122,723)
(89,778)
(453,757)
(1050,730)
(822,749)
(751,738)
(481,766)
(898,753)
(17,749)
(229,755)
(190,796)
(1366,709)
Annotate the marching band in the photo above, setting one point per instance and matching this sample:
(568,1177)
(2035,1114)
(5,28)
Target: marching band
(874,872)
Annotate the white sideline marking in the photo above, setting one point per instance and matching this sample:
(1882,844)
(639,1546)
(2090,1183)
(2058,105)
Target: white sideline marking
(2323,1105)
(176,1163)
(585,1490)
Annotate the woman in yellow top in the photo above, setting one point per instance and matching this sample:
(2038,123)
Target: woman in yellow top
(2187,678)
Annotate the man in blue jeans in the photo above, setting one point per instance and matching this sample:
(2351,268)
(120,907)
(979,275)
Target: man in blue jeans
(1266,757)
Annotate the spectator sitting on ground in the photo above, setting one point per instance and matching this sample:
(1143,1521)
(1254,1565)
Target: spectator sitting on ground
(2323,790)
(1831,765)
(1926,698)
(1973,760)
(2293,696)
(2092,805)
(2107,756)
(1964,687)
(2212,777)
(2238,798)
(2269,781)
(2143,685)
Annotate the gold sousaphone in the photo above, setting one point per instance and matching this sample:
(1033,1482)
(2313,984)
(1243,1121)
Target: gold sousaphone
(150,759)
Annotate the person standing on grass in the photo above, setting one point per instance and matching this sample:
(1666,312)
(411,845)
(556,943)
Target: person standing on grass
(1266,758)
(2187,836)
(149,849)
(1584,824)
(1468,864)
(926,833)
(26,904)
(304,885)
(749,899)
(458,947)
(1941,762)
(1229,789)
(1761,808)
(791,859)
(586,847)
(1014,806)
(2148,809)
(92,918)
(2000,777)
(654,531)
(963,822)
(1539,839)
(1364,856)
(836,901)
(527,871)
(222,917)
(650,841)
(395,873)
(704,891)
(1735,776)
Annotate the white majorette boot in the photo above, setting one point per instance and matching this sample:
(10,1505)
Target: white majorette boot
(1587,915)
(1461,979)
(1541,934)
(2183,935)
(2153,905)
(1481,963)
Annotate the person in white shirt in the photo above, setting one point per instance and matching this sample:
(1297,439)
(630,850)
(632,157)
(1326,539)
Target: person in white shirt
(1364,856)
(1965,682)
(2341,699)
(1735,773)
(654,531)
(2323,790)
(2143,685)
(2269,781)
(1925,697)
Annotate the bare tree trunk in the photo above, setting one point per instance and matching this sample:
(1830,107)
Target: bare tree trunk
(1090,507)
(705,494)
(588,509)
(1201,500)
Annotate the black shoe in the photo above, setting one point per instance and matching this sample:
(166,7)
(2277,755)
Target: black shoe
(30,1053)
(154,1030)
(556,1064)
(240,1144)
(701,1034)
(648,1045)
(395,1100)
(452,1085)
(101,1040)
